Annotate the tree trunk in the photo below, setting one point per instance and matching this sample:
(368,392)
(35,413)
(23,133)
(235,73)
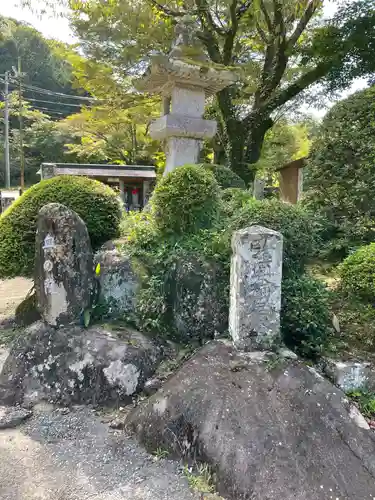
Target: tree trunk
(256,130)
(243,139)
(234,136)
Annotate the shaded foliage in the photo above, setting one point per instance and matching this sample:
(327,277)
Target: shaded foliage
(340,179)
(357,273)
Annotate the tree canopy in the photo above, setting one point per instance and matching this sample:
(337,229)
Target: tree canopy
(280,48)
(42,66)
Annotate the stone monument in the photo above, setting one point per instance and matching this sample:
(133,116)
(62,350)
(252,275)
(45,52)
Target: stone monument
(184,79)
(255,288)
(64,274)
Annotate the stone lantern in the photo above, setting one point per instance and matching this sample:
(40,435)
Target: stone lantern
(184,79)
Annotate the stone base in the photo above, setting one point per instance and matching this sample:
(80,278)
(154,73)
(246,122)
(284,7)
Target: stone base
(74,365)
(350,375)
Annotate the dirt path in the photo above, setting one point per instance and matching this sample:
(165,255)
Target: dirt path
(12,292)
(74,456)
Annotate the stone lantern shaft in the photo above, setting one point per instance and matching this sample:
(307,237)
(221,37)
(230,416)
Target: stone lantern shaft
(184,79)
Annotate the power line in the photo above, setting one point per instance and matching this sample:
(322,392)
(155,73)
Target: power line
(55,103)
(39,90)
(50,111)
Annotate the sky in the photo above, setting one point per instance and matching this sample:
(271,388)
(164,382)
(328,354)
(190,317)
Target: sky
(49,26)
(58,28)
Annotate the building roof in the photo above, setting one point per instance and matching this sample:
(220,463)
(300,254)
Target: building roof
(98,170)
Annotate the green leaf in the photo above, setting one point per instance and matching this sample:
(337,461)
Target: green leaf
(86,317)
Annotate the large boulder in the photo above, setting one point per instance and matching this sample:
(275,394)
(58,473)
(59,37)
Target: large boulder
(199,303)
(75,365)
(118,283)
(272,428)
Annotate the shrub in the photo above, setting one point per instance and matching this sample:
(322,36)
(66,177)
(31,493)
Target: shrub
(185,200)
(300,229)
(357,273)
(340,177)
(305,318)
(234,199)
(225,177)
(96,203)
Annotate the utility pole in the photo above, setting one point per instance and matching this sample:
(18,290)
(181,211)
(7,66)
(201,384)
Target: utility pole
(20,110)
(6,122)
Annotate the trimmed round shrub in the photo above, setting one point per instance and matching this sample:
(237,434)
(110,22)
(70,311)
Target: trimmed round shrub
(299,227)
(96,203)
(357,273)
(305,318)
(185,200)
(225,177)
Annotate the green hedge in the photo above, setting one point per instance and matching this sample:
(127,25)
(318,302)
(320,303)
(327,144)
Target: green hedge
(305,318)
(225,177)
(357,273)
(340,176)
(96,203)
(299,227)
(193,268)
(185,200)
(233,199)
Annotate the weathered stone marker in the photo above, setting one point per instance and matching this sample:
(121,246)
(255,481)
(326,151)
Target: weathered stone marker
(64,273)
(255,293)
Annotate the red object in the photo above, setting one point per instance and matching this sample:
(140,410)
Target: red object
(135,191)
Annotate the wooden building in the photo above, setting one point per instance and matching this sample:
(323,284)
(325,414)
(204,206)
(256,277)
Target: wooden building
(291,180)
(133,182)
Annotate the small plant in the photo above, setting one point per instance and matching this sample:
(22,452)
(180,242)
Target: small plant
(365,401)
(275,362)
(200,478)
(160,453)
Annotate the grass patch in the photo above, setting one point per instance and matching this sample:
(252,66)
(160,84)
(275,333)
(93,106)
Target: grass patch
(365,401)
(160,454)
(200,478)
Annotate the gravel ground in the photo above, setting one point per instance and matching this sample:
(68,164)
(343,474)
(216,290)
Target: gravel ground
(12,293)
(74,456)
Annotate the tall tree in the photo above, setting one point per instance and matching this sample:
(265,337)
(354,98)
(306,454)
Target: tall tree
(42,66)
(281,47)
